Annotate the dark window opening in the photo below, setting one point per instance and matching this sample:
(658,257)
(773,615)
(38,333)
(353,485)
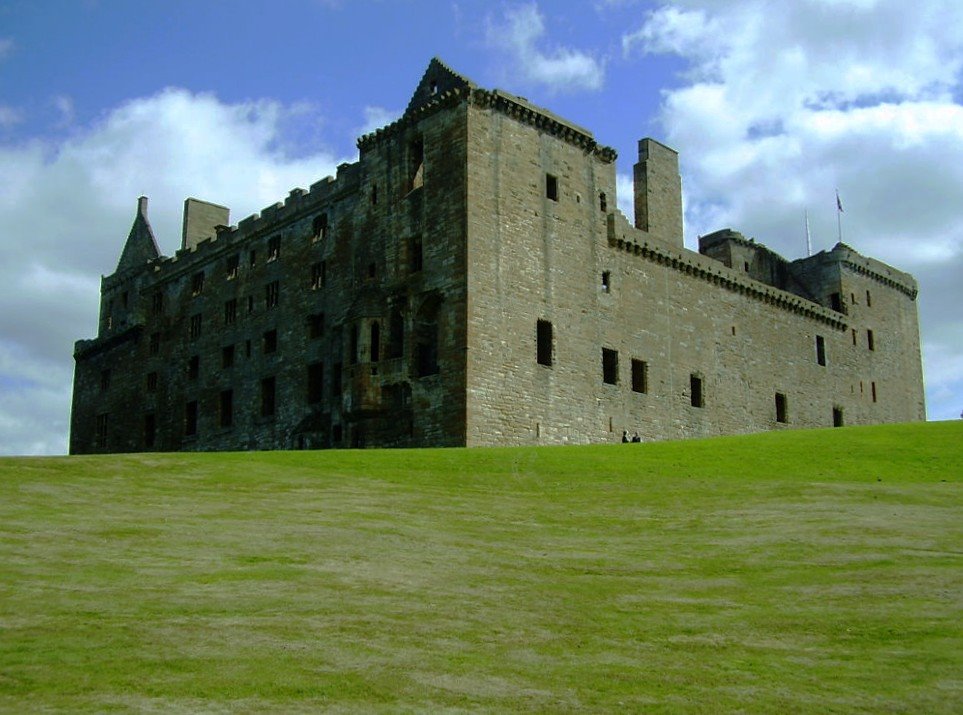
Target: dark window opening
(195,326)
(270,341)
(372,270)
(640,376)
(317,275)
(315,382)
(551,187)
(272,292)
(274,248)
(336,434)
(396,335)
(230,311)
(854,336)
(603,202)
(233,263)
(104,380)
(610,366)
(374,194)
(316,325)
(152,382)
(252,258)
(745,266)
(319,227)
(193,367)
(427,339)
(227,408)
(836,302)
(870,342)
(190,418)
(197,283)
(150,430)
(873,389)
(375,346)
(247,348)
(417,255)
(820,350)
(606,281)
(781,413)
(543,343)
(696,396)
(267,397)
(837,417)
(227,356)
(869,300)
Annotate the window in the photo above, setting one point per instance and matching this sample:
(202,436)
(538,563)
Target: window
(374,348)
(869,300)
(372,270)
(197,283)
(100,431)
(317,275)
(150,430)
(551,187)
(606,281)
(247,348)
(781,414)
(272,292)
(193,367)
(374,194)
(154,343)
(353,346)
(417,254)
(190,418)
(870,342)
(640,376)
(270,341)
(227,356)
(252,259)
(230,311)
(316,325)
(396,335)
(837,416)
(854,336)
(227,408)
(319,227)
(274,248)
(836,302)
(745,266)
(610,366)
(195,326)
(250,304)
(873,390)
(416,164)
(315,382)
(543,343)
(152,382)
(696,397)
(820,350)
(267,397)
(233,262)
(104,380)
(603,202)
(157,303)
(426,338)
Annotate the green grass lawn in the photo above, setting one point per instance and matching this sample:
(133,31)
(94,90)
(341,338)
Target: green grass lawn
(804,571)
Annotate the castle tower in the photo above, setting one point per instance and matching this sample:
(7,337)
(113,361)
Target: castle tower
(658,192)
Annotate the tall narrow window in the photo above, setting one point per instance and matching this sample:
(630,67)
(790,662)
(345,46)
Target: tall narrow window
(270,341)
(319,227)
(272,292)
(230,311)
(315,382)
(317,275)
(252,258)
(154,343)
(374,194)
(316,325)
(837,416)
(869,300)
(427,338)
(197,283)
(606,281)
(396,335)
(854,336)
(233,262)
(781,412)
(543,343)
(873,388)
(374,349)
(227,356)
(870,342)
(105,380)
(190,418)
(603,202)
(417,256)
(836,302)
(820,350)
(274,248)
(227,408)
(353,346)
(610,366)
(157,303)
(640,376)
(696,396)
(195,326)
(267,397)
(193,367)
(551,187)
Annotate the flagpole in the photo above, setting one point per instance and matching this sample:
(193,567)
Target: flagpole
(809,238)
(839,217)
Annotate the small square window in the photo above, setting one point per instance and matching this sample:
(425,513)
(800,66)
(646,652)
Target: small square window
(640,376)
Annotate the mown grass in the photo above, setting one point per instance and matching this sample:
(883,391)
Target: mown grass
(805,571)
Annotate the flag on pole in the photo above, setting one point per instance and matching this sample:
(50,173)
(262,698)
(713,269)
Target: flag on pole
(839,204)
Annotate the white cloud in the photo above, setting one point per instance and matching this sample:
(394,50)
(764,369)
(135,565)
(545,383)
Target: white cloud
(782,103)
(6,47)
(375,118)
(66,208)
(520,33)
(9,116)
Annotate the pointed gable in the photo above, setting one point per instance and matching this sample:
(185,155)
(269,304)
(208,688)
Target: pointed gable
(438,79)
(141,246)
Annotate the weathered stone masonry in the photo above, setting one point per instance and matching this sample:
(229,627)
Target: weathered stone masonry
(470,281)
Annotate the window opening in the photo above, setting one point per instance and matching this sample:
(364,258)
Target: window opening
(100,431)
(854,335)
(427,338)
(267,397)
(374,194)
(272,291)
(319,227)
(270,341)
(416,164)
(336,379)
(233,262)
(610,366)
(606,281)
(252,258)
(316,325)
(820,350)
(197,283)
(870,342)
(375,347)
(250,304)
(230,311)
(603,202)
(551,187)
(274,248)
(104,380)
(873,389)
(396,335)
(543,340)
(353,346)
(195,326)
(157,303)
(781,414)
(315,382)
(227,356)
(317,276)
(193,367)
(696,396)
(640,376)
(227,408)
(869,300)
(190,418)
(836,302)
(154,343)
(417,257)
(837,416)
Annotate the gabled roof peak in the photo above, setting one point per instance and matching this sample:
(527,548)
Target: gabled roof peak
(141,246)
(438,79)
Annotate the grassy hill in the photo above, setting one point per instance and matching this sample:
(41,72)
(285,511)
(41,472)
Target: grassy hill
(804,571)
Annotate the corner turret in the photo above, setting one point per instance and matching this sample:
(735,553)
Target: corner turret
(141,247)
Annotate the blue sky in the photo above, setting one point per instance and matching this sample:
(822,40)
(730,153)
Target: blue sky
(772,106)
